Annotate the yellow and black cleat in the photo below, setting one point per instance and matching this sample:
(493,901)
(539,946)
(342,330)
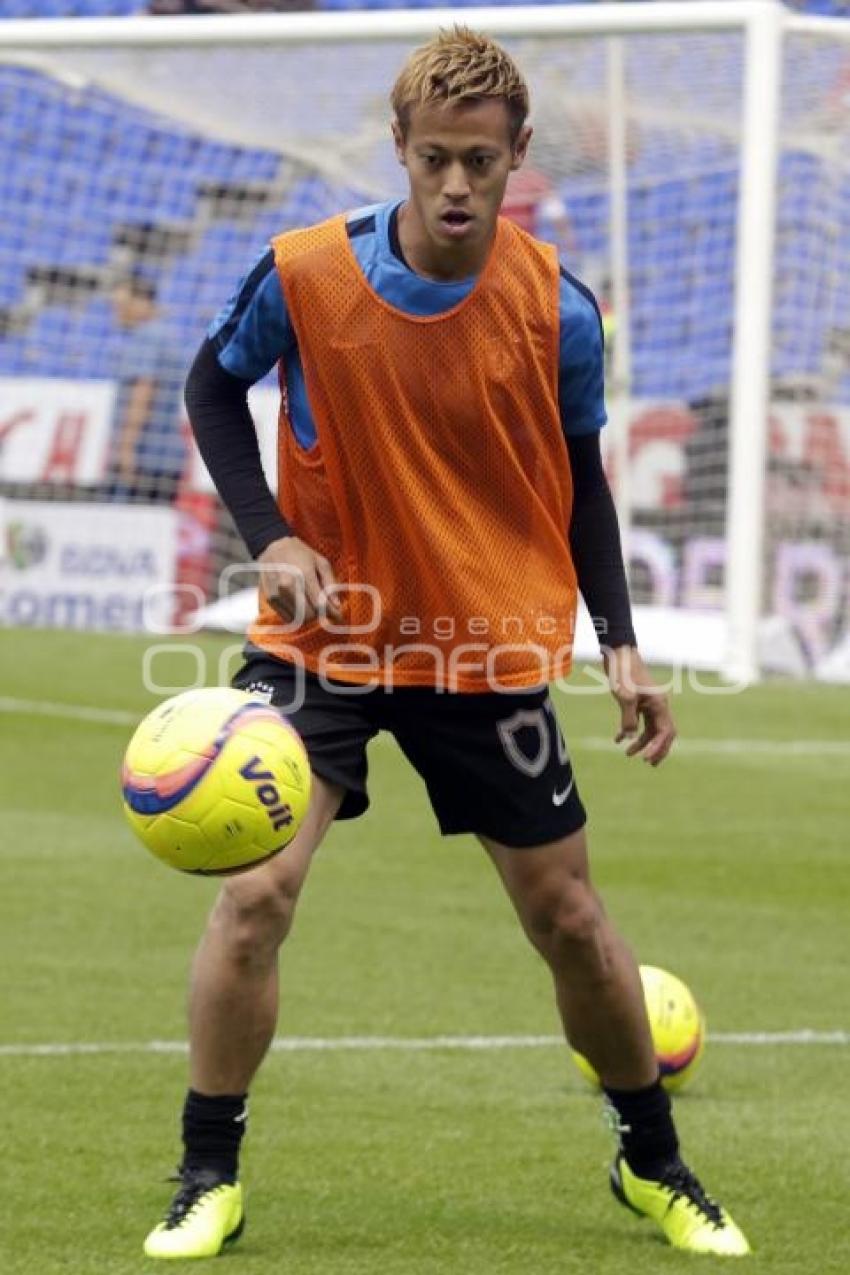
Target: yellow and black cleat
(689,1218)
(205,1214)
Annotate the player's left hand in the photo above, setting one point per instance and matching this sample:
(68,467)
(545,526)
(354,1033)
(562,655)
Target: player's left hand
(642,703)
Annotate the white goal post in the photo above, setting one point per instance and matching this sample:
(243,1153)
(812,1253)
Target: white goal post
(670,108)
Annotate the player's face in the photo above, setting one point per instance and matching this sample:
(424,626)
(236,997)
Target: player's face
(458,160)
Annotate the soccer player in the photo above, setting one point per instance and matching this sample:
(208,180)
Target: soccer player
(148,453)
(441,500)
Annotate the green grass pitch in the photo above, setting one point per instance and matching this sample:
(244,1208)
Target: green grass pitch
(728,866)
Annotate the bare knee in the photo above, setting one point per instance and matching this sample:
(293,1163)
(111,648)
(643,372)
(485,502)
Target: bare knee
(254,918)
(254,911)
(566,924)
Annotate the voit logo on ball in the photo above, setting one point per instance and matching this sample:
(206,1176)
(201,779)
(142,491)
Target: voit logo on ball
(26,545)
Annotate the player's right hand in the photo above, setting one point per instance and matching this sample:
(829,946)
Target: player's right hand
(298,582)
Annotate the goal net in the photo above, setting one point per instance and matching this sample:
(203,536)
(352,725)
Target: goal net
(146,162)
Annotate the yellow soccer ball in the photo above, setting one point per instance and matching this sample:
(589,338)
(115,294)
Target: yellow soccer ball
(215,781)
(678,1029)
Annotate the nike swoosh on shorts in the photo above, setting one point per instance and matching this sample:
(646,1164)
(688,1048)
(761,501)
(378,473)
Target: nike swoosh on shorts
(558,798)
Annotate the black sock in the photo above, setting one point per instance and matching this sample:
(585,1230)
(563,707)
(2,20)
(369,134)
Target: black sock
(644,1125)
(212,1131)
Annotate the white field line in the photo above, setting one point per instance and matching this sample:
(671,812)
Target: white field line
(586,743)
(732,747)
(76,712)
(400,1044)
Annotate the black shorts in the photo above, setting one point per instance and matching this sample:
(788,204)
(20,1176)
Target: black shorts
(494,763)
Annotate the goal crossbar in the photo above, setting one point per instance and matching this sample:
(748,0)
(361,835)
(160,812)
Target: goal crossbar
(664,17)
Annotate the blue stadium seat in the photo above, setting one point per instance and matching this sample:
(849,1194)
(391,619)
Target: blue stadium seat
(344,6)
(70,8)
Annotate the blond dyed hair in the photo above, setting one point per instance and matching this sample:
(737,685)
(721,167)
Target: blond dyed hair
(460,66)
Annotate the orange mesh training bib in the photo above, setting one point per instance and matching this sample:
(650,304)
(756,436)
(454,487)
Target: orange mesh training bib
(439,485)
